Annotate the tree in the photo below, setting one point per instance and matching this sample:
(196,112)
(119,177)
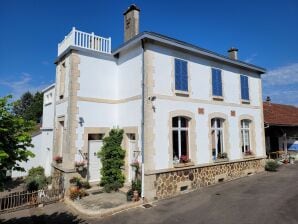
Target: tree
(29,106)
(112,158)
(15,138)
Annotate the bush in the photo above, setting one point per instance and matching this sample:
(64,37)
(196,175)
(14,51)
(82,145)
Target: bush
(36,179)
(112,157)
(271,165)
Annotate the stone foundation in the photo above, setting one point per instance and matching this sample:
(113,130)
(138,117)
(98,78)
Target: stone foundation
(176,181)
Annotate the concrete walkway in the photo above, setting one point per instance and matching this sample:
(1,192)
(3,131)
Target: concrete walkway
(262,198)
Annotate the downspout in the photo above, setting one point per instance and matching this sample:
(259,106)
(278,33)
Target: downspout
(143,116)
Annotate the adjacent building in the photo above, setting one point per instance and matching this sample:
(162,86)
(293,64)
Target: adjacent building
(281,128)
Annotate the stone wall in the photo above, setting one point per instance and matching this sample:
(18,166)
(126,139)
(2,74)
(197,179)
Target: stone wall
(174,182)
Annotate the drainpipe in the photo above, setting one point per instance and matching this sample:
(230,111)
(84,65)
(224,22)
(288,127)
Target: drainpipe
(143,116)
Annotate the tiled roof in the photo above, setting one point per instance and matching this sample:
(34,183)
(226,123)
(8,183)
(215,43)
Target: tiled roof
(279,114)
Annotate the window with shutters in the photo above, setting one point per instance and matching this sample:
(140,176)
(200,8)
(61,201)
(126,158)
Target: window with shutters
(181,75)
(244,88)
(216,83)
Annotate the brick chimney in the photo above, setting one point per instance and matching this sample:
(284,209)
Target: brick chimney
(131,22)
(233,53)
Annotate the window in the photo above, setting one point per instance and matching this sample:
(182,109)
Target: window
(180,138)
(217,138)
(62,80)
(48,98)
(216,82)
(245,136)
(181,75)
(244,87)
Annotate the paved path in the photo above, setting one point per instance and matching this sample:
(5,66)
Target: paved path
(262,198)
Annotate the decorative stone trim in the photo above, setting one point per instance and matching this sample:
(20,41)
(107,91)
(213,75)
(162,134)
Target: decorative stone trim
(179,165)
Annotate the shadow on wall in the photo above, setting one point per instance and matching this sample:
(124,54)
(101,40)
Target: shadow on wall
(55,218)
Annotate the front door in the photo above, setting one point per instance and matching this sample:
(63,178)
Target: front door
(133,156)
(94,163)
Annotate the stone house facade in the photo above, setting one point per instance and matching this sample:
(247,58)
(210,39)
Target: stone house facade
(191,117)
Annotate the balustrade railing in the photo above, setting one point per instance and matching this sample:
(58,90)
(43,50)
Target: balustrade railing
(85,40)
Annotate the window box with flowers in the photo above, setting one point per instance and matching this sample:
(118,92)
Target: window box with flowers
(184,161)
(58,159)
(222,157)
(248,154)
(80,166)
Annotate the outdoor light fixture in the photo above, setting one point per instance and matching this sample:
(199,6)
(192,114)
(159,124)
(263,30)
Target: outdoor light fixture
(152,98)
(81,121)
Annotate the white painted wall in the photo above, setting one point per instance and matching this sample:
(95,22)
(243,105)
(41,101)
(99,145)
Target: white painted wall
(199,71)
(129,73)
(40,158)
(98,77)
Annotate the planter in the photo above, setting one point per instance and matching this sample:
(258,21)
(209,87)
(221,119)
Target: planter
(180,165)
(135,196)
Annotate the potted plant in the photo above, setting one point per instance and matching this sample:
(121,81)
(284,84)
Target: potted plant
(223,155)
(80,166)
(248,153)
(58,159)
(184,159)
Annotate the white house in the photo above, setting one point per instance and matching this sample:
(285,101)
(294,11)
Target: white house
(192,116)
(43,139)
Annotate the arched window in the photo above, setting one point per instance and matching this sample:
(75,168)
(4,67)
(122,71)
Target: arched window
(245,137)
(180,127)
(217,135)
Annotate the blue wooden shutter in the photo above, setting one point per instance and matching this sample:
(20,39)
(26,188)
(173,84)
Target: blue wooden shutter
(216,82)
(181,76)
(244,87)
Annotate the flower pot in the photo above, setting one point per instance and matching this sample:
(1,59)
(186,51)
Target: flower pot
(135,195)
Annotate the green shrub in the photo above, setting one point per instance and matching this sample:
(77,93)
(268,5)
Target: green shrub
(85,184)
(271,165)
(112,157)
(136,185)
(36,179)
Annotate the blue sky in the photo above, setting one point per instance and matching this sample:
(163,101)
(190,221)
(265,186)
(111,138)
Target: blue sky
(266,33)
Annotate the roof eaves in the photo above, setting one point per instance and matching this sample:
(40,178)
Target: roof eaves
(187,46)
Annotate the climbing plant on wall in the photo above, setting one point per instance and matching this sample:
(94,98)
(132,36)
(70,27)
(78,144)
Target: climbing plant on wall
(112,158)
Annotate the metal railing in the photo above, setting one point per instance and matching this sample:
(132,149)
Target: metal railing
(85,40)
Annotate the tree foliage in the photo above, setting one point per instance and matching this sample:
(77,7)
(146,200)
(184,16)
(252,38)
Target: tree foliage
(112,158)
(15,138)
(29,106)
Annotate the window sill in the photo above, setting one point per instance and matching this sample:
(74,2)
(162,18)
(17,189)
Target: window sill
(218,98)
(221,160)
(248,156)
(181,93)
(245,101)
(179,165)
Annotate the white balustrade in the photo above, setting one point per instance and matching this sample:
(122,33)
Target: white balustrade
(85,40)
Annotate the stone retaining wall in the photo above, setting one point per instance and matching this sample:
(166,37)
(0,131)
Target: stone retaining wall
(175,182)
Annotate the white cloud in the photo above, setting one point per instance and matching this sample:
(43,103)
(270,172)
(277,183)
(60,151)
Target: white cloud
(282,76)
(281,84)
(24,84)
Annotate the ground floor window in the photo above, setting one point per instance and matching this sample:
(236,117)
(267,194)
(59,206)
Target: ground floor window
(180,137)
(245,137)
(217,138)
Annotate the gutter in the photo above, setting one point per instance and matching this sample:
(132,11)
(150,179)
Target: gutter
(143,117)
